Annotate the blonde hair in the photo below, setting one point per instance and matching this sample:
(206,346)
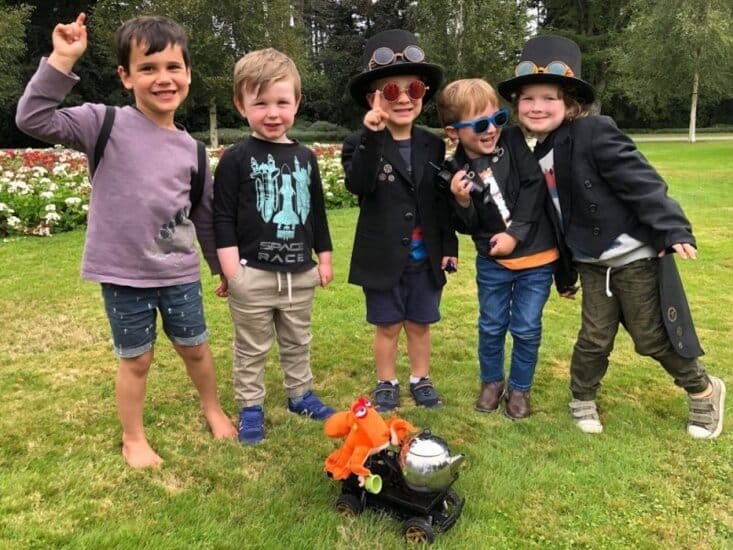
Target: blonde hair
(259,69)
(463,97)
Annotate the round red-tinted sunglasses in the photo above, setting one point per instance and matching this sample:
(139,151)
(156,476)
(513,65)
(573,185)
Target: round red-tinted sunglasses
(415,90)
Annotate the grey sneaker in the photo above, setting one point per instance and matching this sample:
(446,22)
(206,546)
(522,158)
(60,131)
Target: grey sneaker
(585,415)
(706,413)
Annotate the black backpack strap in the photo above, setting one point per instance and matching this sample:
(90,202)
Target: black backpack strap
(104,132)
(198,179)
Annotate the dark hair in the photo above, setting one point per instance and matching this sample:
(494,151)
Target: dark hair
(154,31)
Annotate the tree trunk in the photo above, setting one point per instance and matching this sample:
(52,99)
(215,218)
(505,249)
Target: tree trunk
(693,107)
(213,129)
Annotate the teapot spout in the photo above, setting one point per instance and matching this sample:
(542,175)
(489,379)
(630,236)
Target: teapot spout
(455,462)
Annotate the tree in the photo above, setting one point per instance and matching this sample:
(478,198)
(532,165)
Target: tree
(473,38)
(596,27)
(12,47)
(676,49)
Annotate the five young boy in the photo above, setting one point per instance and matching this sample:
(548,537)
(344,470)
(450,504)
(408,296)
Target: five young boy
(267,192)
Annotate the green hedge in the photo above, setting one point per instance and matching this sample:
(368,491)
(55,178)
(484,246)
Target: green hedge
(320,131)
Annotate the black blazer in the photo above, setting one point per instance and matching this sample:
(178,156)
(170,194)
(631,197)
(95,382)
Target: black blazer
(606,187)
(389,201)
(525,192)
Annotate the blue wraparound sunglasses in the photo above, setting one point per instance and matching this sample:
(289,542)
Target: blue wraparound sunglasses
(481,125)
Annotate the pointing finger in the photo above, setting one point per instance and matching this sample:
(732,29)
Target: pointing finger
(377,102)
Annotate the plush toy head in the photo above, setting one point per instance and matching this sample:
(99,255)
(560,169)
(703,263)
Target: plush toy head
(365,433)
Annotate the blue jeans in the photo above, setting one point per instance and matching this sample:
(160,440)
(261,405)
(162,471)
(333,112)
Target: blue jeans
(132,314)
(510,300)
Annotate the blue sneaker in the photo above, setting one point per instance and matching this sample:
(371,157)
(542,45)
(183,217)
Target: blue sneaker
(251,425)
(309,405)
(386,396)
(425,395)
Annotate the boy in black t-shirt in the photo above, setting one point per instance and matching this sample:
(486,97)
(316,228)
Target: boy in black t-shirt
(269,214)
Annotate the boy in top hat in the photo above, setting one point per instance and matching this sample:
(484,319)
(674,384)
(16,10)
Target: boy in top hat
(403,240)
(621,226)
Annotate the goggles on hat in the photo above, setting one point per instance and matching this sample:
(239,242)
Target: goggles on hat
(386,56)
(481,125)
(555,67)
(415,90)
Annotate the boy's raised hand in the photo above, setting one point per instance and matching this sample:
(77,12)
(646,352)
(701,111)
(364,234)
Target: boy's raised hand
(376,119)
(69,43)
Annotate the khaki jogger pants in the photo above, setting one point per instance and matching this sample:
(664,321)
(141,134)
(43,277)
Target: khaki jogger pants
(265,305)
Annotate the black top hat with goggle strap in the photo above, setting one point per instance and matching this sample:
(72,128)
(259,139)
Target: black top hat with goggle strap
(549,59)
(393,53)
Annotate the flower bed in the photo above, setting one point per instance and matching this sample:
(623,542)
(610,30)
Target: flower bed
(46,191)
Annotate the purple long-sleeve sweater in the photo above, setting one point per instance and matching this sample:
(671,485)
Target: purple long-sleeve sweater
(138,231)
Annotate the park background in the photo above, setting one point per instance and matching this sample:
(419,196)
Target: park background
(654,63)
(536,484)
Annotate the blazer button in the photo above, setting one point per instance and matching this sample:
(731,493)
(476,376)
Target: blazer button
(587,184)
(596,231)
(593,208)
(405,241)
(409,215)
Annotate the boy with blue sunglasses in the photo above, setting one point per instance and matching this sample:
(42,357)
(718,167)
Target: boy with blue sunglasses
(516,250)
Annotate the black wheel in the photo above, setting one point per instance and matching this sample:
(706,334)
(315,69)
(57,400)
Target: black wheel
(418,531)
(348,505)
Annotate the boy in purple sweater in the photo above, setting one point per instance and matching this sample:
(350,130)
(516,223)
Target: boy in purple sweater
(140,235)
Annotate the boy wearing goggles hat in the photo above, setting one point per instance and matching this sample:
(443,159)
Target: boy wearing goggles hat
(620,224)
(500,199)
(403,241)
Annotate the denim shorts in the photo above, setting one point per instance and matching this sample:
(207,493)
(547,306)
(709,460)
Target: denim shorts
(132,316)
(416,298)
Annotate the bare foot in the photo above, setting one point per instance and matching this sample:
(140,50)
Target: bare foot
(220,424)
(139,454)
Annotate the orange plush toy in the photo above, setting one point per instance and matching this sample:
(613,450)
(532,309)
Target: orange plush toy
(366,433)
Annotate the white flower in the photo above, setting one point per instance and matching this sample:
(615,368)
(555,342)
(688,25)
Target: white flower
(72,201)
(46,195)
(4,207)
(39,171)
(19,187)
(85,207)
(60,169)
(52,217)
(13,221)
(50,208)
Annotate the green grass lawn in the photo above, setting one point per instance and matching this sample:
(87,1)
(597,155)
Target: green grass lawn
(538,483)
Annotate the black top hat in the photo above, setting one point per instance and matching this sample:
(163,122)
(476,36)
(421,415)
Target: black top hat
(542,51)
(399,42)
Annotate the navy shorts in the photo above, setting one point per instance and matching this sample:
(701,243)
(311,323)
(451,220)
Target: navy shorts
(132,316)
(416,298)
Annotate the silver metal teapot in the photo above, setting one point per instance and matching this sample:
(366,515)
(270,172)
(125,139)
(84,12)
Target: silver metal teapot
(427,464)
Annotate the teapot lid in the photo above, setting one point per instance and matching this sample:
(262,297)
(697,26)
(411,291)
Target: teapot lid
(427,444)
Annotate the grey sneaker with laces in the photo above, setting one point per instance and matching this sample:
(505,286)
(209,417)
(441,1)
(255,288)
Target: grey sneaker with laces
(586,417)
(706,413)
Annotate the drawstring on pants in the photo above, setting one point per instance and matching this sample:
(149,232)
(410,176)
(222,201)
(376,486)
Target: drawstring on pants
(289,280)
(608,283)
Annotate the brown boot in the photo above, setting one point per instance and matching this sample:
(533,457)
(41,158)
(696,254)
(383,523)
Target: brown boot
(490,396)
(517,404)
